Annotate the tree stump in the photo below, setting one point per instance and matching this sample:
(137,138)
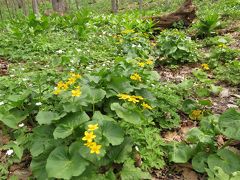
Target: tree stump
(186,14)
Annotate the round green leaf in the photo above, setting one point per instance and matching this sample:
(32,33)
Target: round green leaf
(46,117)
(63,165)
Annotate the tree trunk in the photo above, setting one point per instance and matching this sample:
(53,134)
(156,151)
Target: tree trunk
(114,6)
(59,6)
(77,4)
(140,4)
(35,8)
(22,4)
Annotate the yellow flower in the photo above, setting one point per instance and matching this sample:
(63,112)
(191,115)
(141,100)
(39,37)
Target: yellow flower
(76,76)
(76,92)
(146,106)
(205,66)
(195,114)
(127,31)
(60,85)
(89,144)
(57,91)
(141,64)
(136,77)
(133,99)
(92,127)
(123,96)
(138,97)
(89,136)
(95,148)
(153,44)
(71,80)
(149,62)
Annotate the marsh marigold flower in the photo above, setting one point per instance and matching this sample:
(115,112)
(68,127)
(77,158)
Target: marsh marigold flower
(141,64)
(57,91)
(149,62)
(205,66)
(76,92)
(136,77)
(92,127)
(89,136)
(195,114)
(95,148)
(133,99)
(123,96)
(146,106)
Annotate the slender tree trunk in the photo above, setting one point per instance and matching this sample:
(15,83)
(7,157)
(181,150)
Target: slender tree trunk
(114,6)
(140,4)
(35,7)
(59,6)
(24,7)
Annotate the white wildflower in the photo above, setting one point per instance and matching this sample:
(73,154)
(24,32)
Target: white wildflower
(21,125)
(9,152)
(133,45)
(59,51)
(38,104)
(1,103)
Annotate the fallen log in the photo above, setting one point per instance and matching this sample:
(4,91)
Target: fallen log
(185,14)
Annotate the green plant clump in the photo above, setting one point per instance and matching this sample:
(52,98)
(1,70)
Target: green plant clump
(176,47)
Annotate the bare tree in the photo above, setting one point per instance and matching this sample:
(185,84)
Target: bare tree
(140,4)
(59,6)
(77,4)
(35,7)
(114,6)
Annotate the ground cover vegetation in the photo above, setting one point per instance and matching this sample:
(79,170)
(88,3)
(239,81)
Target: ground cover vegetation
(92,95)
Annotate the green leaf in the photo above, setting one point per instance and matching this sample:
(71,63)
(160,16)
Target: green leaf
(13,117)
(195,135)
(202,92)
(225,159)
(42,140)
(127,115)
(95,95)
(64,165)
(46,117)
(38,167)
(189,105)
(69,123)
(229,124)
(199,162)
(181,153)
(120,84)
(120,153)
(130,172)
(113,132)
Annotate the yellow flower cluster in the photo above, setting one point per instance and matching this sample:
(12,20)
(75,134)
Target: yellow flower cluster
(134,99)
(205,66)
(136,77)
(195,114)
(89,136)
(148,62)
(61,86)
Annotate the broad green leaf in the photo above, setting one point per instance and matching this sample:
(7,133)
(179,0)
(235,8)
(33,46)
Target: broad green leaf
(229,124)
(42,140)
(69,123)
(64,165)
(225,159)
(95,95)
(119,154)
(113,132)
(199,162)
(98,116)
(189,105)
(120,84)
(217,174)
(13,117)
(127,115)
(181,153)
(38,167)
(130,172)
(46,117)
(195,135)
